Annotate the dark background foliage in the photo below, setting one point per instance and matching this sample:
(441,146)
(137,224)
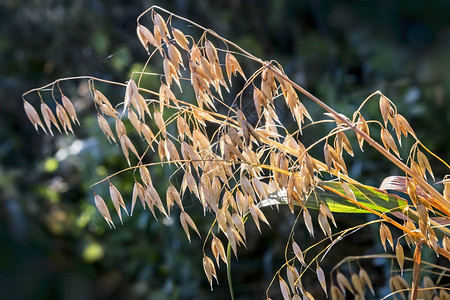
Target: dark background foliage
(54,244)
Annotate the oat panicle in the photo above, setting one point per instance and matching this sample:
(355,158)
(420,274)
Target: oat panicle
(236,167)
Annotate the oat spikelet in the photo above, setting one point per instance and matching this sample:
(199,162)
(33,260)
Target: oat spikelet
(104,126)
(298,253)
(180,38)
(336,293)
(321,277)
(218,250)
(187,222)
(63,118)
(103,209)
(364,277)
(385,109)
(362,125)
(399,254)
(284,288)
(232,66)
(70,109)
(49,117)
(385,233)
(120,128)
(293,277)
(388,141)
(33,116)
(357,284)
(210,270)
(146,37)
(99,98)
(131,94)
(257,215)
(424,164)
(308,222)
(136,190)
(162,27)
(117,200)
(343,283)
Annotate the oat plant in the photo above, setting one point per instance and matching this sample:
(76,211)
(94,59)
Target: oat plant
(238,167)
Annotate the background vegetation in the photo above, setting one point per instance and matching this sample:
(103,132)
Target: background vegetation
(53,242)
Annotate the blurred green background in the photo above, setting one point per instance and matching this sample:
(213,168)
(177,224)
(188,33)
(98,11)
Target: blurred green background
(54,244)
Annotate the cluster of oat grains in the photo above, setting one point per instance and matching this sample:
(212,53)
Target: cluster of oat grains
(235,167)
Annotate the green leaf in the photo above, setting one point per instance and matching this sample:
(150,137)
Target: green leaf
(369,196)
